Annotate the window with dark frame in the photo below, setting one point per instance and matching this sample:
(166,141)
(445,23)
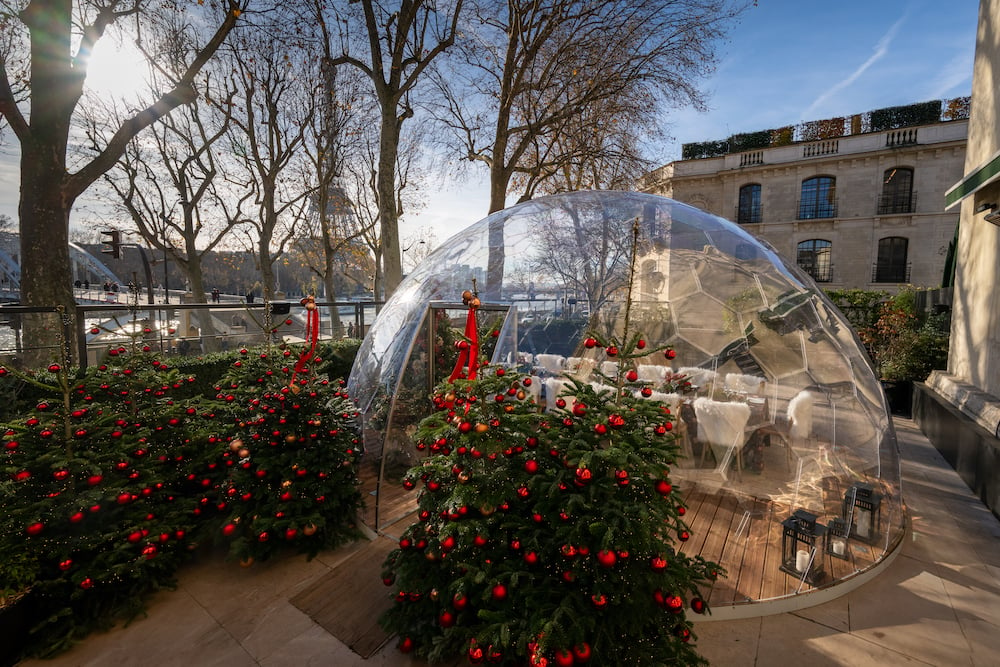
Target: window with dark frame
(897,191)
(891,265)
(749,204)
(818,198)
(814,257)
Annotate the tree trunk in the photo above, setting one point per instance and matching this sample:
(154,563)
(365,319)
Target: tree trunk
(45,264)
(387,214)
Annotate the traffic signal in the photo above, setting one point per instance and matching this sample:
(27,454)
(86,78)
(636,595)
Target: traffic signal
(112,243)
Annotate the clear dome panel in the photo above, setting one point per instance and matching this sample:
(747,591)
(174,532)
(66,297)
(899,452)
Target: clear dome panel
(777,408)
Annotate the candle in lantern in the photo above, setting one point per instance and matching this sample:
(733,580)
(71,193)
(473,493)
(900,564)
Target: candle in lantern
(839,546)
(863,523)
(801,560)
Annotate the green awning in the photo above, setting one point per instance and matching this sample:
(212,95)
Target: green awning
(978,178)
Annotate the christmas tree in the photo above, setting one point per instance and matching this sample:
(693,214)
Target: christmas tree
(287,443)
(547,538)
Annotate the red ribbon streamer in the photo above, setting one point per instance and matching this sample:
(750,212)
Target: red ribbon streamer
(470,353)
(312,335)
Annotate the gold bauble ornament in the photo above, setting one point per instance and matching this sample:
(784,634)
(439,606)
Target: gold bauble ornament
(290,438)
(309,530)
(287,483)
(235,444)
(482,428)
(246,562)
(295,388)
(243,453)
(487,510)
(521,395)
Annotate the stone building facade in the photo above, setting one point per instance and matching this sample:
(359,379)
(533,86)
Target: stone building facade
(863,210)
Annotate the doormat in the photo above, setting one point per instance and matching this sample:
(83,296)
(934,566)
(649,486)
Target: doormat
(348,601)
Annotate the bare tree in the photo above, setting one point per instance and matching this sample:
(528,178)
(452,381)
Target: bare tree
(534,72)
(274,104)
(395,46)
(170,187)
(59,35)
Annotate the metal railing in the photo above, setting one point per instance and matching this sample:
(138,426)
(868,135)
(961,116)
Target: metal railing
(893,203)
(890,273)
(181,329)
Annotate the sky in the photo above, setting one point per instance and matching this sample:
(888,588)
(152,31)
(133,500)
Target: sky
(783,62)
(788,61)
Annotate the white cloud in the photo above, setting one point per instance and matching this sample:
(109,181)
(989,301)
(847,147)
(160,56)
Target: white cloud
(881,49)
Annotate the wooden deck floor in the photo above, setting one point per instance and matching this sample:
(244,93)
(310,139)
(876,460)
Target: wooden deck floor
(740,533)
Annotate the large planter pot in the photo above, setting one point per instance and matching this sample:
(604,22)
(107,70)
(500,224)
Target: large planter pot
(899,394)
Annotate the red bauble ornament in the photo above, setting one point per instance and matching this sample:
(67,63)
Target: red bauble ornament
(563,658)
(599,601)
(479,541)
(460,601)
(611,351)
(631,376)
(600,429)
(640,344)
(35,528)
(531,558)
(531,466)
(590,343)
(229,529)
(579,409)
(499,592)
(405,645)
(65,565)
(669,353)
(581,652)
(448,543)
(658,563)
(22,476)
(698,605)
(684,536)
(606,557)
(76,517)
(124,498)
(446,619)
(86,583)
(663,487)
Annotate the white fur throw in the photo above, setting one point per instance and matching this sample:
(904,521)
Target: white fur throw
(745,384)
(721,423)
(800,414)
(698,376)
(671,401)
(552,363)
(653,373)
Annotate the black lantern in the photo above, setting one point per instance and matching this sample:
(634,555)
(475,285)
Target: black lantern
(862,512)
(800,555)
(836,538)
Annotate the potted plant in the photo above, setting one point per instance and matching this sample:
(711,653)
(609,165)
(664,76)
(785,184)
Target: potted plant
(906,345)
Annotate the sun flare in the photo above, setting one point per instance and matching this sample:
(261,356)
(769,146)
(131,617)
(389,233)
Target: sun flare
(117,69)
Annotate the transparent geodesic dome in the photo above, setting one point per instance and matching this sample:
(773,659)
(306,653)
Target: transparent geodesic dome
(777,408)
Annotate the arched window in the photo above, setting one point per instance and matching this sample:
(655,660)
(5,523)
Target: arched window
(818,198)
(897,191)
(891,266)
(749,206)
(814,257)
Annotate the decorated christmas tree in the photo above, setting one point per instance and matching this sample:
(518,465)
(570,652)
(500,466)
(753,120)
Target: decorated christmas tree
(288,448)
(92,502)
(550,538)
